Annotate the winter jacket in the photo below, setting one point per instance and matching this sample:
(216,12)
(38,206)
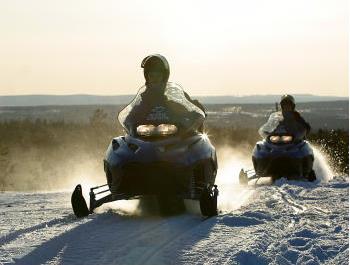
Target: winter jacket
(298,118)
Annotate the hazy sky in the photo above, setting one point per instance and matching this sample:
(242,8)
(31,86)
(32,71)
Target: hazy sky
(214,47)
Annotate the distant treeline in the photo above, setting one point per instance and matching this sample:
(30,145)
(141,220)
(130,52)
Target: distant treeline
(43,155)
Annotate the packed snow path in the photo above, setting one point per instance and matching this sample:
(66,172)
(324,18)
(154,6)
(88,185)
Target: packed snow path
(284,223)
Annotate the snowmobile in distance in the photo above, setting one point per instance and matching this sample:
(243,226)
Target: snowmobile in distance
(283,152)
(162,155)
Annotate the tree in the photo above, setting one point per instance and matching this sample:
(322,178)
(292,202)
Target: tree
(98,119)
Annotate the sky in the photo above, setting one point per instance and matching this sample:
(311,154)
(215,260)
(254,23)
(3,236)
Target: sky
(224,47)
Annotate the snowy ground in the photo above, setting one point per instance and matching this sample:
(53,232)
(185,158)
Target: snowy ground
(284,223)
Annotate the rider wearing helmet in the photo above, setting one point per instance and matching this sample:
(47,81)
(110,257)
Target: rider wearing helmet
(288,107)
(156,71)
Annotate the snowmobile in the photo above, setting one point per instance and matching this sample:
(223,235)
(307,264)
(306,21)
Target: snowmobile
(283,152)
(163,155)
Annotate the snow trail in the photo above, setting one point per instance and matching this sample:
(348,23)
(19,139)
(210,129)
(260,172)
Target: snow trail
(290,222)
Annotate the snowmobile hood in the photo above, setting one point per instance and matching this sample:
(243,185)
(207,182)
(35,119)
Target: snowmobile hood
(169,107)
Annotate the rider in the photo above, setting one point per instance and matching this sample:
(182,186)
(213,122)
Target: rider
(151,106)
(288,107)
(156,71)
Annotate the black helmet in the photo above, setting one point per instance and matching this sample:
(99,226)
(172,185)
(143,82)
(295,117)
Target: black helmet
(287,98)
(156,62)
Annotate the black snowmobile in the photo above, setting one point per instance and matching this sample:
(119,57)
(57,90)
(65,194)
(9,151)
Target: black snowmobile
(283,152)
(163,155)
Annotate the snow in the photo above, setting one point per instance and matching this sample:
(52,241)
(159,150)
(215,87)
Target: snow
(289,222)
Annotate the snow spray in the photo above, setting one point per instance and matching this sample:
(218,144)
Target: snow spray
(322,169)
(231,161)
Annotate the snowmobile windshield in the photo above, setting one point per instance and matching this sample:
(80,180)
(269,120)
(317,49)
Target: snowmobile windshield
(161,106)
(283,124)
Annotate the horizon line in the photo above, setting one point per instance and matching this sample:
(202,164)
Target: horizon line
(220,95)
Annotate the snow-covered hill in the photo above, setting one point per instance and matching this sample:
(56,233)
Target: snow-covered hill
(285,223)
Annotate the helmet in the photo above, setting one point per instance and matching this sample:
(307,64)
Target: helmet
(287,98)
(156,62)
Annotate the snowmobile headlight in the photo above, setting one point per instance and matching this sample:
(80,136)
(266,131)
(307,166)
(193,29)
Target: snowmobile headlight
(275,138)
(166,129)
(286,138)
(145,130)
